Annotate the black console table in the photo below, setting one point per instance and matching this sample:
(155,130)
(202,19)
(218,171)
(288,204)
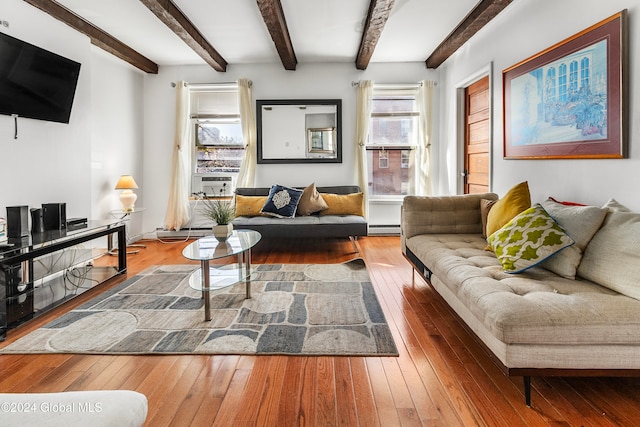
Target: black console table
(42,270)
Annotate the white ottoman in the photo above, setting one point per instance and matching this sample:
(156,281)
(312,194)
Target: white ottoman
(100,408)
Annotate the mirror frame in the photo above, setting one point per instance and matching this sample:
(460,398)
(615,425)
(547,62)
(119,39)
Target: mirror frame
(305,138)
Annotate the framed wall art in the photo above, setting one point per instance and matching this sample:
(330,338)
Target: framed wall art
(568,101)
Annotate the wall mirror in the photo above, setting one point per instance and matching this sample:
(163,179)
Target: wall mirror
(299,130)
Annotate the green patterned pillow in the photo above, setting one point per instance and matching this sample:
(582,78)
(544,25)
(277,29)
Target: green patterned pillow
(528,239)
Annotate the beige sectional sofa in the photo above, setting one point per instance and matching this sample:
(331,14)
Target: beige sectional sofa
(537,322)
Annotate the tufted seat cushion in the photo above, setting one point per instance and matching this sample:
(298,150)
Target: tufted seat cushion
(534,307)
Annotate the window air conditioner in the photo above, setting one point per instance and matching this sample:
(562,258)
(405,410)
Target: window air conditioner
(213,185)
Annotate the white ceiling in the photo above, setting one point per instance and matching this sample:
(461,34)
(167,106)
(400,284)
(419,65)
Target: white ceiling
(320,30)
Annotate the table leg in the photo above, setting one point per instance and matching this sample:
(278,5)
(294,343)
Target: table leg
(204,266)
(247,264)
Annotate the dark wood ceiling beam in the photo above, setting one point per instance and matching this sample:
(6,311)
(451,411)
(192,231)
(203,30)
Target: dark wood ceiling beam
(96,35)
(173,18)
(379,11)
(273,17)
(480,16)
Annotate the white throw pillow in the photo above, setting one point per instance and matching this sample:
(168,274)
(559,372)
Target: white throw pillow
(612,258)
(614,206)
(581,223)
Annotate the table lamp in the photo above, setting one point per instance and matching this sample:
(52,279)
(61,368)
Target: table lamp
(128,198)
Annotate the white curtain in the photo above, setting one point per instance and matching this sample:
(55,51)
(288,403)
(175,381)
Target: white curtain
(425,105)
(246,176)
(178,207)
(363,115)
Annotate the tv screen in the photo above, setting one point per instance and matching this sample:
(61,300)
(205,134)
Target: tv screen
(34,82)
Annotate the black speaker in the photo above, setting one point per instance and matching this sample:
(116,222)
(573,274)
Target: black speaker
(37,224)
(54,216)
(18,294)
(17,221)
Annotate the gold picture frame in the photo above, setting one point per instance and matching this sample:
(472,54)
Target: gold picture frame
(569,101)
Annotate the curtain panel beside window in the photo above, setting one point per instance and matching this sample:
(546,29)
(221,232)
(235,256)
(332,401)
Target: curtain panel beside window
(178,206)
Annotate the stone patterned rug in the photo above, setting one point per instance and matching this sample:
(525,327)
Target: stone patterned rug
(295,309)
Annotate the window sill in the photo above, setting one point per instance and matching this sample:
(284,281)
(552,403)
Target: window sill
(396,200)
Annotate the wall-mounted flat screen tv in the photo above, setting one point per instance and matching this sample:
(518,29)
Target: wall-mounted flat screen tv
(34,82)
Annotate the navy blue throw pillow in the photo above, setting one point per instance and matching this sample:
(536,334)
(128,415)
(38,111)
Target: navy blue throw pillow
(282,202)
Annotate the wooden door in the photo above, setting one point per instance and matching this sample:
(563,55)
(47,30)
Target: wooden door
(476,140)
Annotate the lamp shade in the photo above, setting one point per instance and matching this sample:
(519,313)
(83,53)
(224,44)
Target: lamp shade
(126,182)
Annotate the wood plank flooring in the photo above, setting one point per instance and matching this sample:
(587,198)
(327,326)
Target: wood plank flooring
(442,376)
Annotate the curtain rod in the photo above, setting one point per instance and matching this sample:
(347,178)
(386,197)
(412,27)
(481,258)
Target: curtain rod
(206,85)
(394,86)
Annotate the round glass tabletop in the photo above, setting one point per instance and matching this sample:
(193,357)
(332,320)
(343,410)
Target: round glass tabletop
(209,248)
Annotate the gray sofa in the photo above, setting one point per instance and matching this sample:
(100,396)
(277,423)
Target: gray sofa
(314,226)
(535,323)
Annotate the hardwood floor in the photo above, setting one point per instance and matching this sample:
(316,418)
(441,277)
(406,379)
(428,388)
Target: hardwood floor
(441,377)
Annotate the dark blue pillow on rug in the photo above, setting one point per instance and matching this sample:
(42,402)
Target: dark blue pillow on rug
(282,202)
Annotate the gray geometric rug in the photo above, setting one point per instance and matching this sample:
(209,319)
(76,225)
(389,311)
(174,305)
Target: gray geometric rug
(295,309)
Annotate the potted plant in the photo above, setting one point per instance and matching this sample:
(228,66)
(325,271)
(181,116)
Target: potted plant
(221,212)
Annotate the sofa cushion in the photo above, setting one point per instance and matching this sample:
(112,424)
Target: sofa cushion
(485,207)
(315,226)
(311,201)
(515,201)
(282,202)
(534,307)
(614,206)
(249,205)
(343,204)
(566,202)
(442,215)
(611,258)
(528,239)
(581,223)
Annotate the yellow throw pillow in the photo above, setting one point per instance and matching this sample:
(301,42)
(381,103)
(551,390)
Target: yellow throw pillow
(249,205)
(343,204)
(508,207)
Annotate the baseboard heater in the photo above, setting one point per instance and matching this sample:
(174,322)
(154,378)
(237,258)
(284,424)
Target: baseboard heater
(200,232)
(385,229)
(183,233)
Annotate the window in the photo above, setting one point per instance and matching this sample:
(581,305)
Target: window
(573,77)
(219,146)
(393,137)
(550,85)
(584,73)
(383,159)
(562,82)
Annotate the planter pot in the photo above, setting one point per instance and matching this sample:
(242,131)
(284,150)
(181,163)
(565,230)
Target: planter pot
(222,232)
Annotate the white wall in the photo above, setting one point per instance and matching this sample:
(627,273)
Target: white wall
(123,120)
(525,28)
(116,134)
(76,163)
(309,81)
(44,163)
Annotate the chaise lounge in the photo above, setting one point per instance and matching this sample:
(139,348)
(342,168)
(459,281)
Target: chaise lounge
(536,322)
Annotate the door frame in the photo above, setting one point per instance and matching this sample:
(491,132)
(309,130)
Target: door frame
(460,87)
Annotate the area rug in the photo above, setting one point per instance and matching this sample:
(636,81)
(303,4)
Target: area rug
(295,309)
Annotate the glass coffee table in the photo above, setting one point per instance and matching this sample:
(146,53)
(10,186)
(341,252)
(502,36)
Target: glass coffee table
(210,278)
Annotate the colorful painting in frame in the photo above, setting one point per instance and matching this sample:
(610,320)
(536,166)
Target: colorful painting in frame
(568,101)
